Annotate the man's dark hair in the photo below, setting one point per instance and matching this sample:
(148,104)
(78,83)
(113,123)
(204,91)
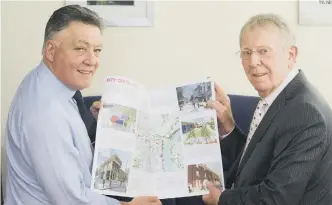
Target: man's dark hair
(61,18)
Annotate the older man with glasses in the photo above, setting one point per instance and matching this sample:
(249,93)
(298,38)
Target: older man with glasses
(287,156)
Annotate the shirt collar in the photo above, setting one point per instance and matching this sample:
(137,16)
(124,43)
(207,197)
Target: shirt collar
(270,98)
(54,84)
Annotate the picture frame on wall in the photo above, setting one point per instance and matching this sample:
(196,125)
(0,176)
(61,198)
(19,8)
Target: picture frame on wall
(123,13)
(315,12)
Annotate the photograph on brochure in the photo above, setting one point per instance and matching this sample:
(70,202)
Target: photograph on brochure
(193,97)
(200,174)
(112,171)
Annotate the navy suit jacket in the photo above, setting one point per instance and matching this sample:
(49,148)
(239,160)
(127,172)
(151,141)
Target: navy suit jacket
(289,158)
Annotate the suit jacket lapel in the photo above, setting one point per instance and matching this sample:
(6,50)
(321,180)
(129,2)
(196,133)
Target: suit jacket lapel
(280,102)
(261,129)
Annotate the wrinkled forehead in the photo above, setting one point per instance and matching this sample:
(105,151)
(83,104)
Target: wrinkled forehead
(81,33)
(261,36)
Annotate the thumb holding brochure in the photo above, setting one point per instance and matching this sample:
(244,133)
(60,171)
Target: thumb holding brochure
(222,105)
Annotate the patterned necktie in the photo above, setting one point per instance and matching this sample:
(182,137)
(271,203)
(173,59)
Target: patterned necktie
(258,115)
(85,115)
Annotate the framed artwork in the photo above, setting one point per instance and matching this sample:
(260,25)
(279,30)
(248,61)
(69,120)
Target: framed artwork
(124,13)
(315,12)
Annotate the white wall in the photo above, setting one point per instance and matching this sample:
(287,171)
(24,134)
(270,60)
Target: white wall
(190,40)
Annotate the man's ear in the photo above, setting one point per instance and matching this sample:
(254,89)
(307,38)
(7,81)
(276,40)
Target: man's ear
(49,51)
(293,51)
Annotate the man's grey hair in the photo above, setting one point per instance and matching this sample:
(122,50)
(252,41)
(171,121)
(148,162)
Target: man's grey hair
(267,20)
(61,18)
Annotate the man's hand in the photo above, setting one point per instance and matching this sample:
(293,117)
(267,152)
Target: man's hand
(94,109)
(145,200)
(222,105)
(213,197)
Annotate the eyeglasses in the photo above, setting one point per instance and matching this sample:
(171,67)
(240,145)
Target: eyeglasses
(261,52)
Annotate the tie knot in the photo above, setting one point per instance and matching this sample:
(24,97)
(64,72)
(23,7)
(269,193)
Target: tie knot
(262,102)
(78,97)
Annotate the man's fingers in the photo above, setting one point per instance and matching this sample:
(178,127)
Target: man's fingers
(97,104)
(219,89)
(221,95)
(206,197)
(220,108)
(210,186)
(213,197)
(152,199)
(209,104)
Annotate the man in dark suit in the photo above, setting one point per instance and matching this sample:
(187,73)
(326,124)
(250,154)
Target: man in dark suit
(287,156)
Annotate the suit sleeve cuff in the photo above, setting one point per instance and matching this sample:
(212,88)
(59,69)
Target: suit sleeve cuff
(229,197)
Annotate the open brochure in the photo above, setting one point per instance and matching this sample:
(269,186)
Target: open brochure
(161,142)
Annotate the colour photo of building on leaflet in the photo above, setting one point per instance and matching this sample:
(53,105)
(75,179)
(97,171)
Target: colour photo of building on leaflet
(200,174)
(112,170)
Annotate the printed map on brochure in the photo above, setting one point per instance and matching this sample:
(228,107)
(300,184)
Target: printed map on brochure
(161,142)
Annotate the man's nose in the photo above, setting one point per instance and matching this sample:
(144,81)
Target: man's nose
(91,58)
(254,59)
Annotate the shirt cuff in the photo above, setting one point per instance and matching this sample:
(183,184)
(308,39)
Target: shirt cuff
(225,135)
